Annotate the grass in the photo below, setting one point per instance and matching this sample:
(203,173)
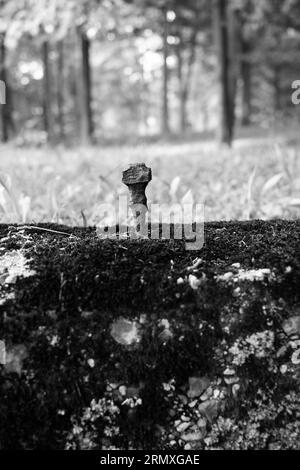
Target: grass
(255,179)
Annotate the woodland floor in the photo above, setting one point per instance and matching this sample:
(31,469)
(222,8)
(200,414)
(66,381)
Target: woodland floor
(258,178)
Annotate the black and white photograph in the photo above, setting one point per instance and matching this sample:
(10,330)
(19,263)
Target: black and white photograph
(149,228)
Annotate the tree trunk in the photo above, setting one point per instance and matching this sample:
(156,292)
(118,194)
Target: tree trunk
(165,105)
(87,126)
(185,79)
(235,34)
(246,71)
(47,102)
(182,91)
(3,77)
(74,85)
(277,87)
(222,37)
(60,89)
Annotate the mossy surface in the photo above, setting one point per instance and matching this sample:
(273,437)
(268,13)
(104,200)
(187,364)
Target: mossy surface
(141,344)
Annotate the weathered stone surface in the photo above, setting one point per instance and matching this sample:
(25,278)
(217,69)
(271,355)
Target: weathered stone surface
(83,364)
(209,409)
(197,385)
(291,326)
(182,427)
(192,436)
(14,358)
(125,332)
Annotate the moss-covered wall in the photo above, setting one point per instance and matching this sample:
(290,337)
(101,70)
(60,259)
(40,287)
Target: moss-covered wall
(144,345)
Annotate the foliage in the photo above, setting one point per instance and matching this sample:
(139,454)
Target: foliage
(67,185)
(127,60)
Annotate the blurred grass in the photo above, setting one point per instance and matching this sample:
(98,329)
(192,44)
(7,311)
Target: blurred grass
(258,178)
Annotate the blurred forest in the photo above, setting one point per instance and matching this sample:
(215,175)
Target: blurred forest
(78,71)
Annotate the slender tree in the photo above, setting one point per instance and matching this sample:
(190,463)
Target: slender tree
(222,40)
(3,107)
(7,122)
(184,79)
(182,96)
(47,92)
(60,88)
(87,126)
(246,76)
(192,17)
(165,88)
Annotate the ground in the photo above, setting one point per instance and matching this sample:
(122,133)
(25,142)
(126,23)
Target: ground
(258,178)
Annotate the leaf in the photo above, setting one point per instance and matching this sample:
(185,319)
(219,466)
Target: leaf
(293,202)
(271,183)
(6,183)
(174,186)
(188,198)
(250,192)
(24,205)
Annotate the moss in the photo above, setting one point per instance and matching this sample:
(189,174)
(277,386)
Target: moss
(62,316)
